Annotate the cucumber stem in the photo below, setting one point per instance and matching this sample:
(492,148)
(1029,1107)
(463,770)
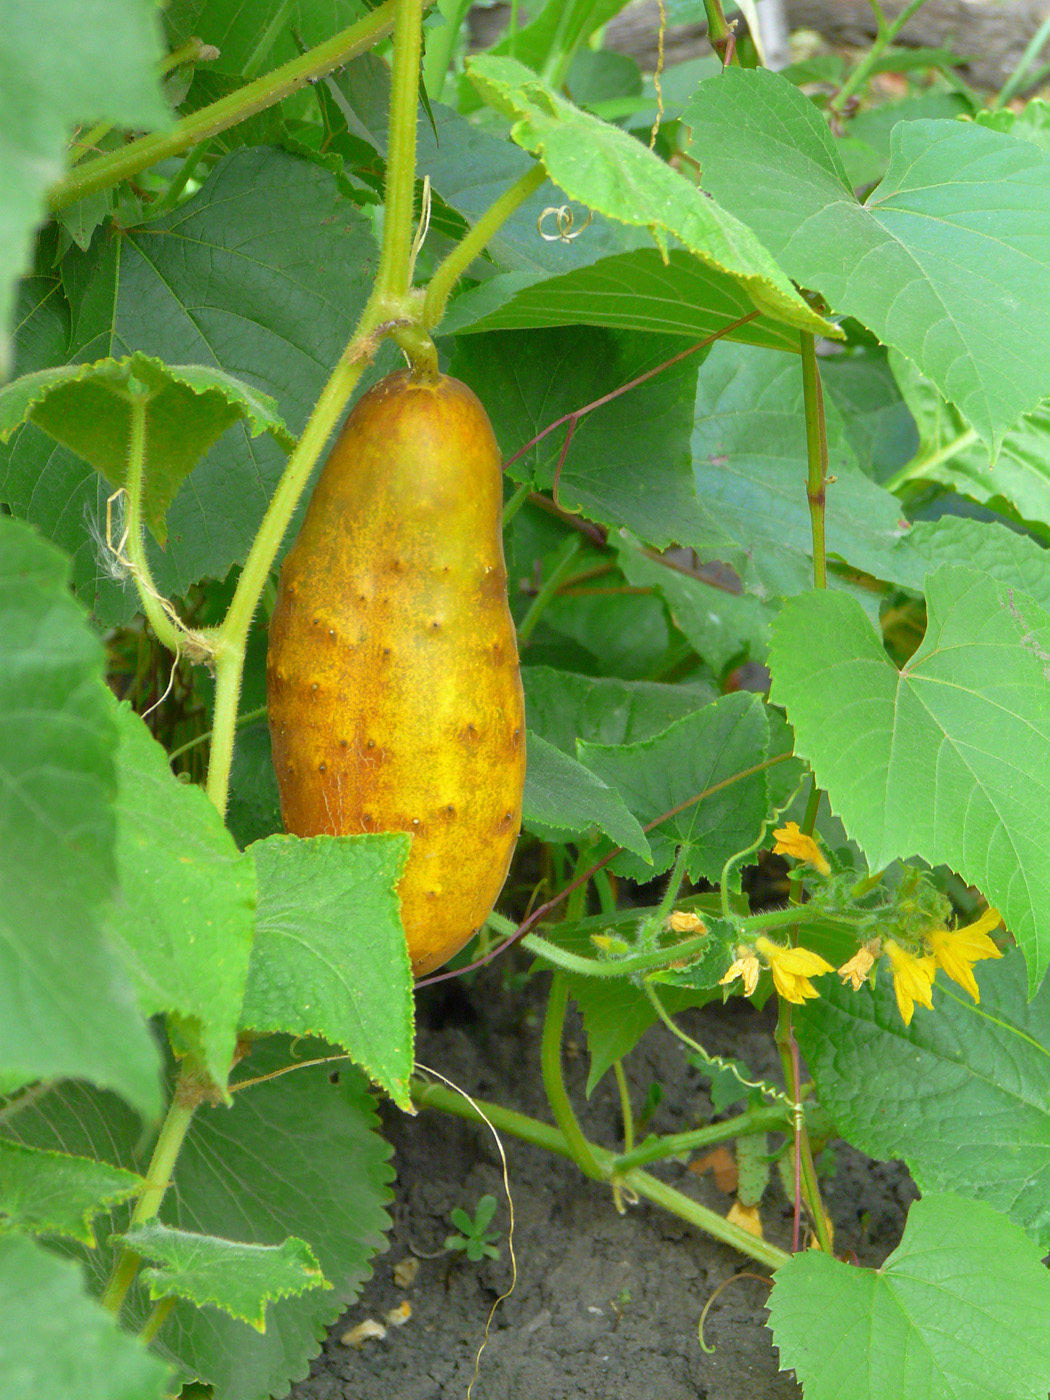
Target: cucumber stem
(395,260)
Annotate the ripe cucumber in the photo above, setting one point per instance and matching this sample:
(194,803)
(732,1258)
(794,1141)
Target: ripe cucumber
(394,694)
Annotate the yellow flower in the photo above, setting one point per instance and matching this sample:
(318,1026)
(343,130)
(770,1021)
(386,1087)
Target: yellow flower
(956,950)
(792,842)
(912,979)
(746,967)
(792,968)
(747,1217)
(855,972)
(682,921)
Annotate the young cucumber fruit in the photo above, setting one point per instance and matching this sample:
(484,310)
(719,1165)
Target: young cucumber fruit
(392,676)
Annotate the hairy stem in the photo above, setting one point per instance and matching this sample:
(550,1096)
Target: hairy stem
(613,967)
(164,629)
(107,170)
(233,634)
(543,1135)
(773,1119)
(389,308)
(188,1095)
(395,259)
(806,1185)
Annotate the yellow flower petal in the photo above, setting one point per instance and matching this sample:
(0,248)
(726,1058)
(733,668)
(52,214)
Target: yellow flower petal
(855,972)
(747,968)
(790,841)
(792,968)
(747,1217)
(912,979)
(682,921)
(956,950)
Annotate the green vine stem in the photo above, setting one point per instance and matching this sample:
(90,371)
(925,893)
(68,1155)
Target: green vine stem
(1022,74)
(243,720)
(562,567)
(395,260)
(474,242)
(817,451)
(922,466)
(156,1319)
(180,180)
(189,1094)
(192,51)
(653,926)
(773,1118)
(107,170)
(805,1171)
(863,71)
(554,1082)
(626,1108)
(135,546)
(518,1125)
(613,967)
(721,33)
(747,926)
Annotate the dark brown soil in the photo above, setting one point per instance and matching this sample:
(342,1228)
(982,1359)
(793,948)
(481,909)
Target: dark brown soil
(605,1306)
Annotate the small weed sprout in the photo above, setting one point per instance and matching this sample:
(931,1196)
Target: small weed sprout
(475,1239)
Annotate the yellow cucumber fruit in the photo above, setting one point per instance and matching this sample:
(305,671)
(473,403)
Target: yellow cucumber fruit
(394,693)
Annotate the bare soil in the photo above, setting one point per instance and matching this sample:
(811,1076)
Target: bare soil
(605,1306)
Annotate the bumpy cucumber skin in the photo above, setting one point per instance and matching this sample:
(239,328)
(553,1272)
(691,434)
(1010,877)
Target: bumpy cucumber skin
(394,693)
